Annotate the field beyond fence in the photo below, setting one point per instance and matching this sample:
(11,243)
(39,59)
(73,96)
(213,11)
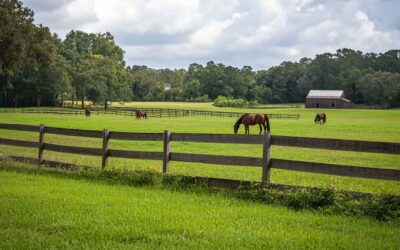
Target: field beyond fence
(151,112)
(266,162)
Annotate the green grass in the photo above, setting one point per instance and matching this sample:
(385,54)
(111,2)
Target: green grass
(373,125)
(51,211)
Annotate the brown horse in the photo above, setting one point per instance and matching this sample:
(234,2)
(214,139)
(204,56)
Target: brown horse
(87,112)
(140,114)
(320,118)
(252,119)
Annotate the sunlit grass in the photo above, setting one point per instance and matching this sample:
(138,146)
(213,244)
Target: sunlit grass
(44,211)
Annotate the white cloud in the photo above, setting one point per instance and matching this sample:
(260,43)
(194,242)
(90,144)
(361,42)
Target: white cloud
(210,33)
(259,33)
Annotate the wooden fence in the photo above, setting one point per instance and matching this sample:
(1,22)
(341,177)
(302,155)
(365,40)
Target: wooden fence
(266,162)
(151,112)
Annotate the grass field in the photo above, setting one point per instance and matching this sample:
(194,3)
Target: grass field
(47,211)
(373,125)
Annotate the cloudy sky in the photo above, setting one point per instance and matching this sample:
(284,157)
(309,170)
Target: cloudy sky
(258,33)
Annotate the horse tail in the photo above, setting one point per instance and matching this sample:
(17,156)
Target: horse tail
(324,118)
(267,122)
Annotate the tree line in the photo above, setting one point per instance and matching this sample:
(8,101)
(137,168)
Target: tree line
(38,68)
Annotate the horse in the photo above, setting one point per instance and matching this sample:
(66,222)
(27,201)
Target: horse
(320,118)
(140,114)
(87,112)
(252,119)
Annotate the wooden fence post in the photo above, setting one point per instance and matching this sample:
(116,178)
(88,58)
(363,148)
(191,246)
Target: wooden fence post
(41,144)
(266,163)
(167,148)
(106,138)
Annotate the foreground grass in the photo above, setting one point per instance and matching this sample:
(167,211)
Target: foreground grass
(47,211)
(382,125)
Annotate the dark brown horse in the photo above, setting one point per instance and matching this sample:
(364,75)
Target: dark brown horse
(87,112)
(140,114)
(320,118)
(252,119)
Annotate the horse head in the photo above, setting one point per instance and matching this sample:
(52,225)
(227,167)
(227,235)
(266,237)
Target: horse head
(317,118)
(238,122)
(236,128)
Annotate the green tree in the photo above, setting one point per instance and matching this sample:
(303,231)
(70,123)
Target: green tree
(382,88)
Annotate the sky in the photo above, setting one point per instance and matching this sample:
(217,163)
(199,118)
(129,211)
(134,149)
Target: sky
(258,33)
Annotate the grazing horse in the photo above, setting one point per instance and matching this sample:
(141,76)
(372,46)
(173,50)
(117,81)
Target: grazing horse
(252,119)
(87,112)
(140,114)
(320,118)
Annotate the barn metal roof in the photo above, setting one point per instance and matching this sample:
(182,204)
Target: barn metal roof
(325,94)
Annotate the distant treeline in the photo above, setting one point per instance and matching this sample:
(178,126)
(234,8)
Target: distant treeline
(37,68)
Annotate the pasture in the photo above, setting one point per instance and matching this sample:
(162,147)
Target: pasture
(372,125)
(54,211)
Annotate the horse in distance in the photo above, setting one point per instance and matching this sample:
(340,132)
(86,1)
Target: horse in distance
(252,119)
(140,114)
(320,118)
(87,112)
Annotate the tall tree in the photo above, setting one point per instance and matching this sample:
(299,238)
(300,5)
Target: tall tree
(382,88)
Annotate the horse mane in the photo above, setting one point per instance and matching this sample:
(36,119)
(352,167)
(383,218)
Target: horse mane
(239,121)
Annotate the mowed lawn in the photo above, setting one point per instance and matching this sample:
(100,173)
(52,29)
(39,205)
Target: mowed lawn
(371,125)
(43,211)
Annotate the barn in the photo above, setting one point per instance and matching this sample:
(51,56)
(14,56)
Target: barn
(327,99)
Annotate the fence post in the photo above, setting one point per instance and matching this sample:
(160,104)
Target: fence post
(106,138)
(266,163)
(41,144)
(167,148)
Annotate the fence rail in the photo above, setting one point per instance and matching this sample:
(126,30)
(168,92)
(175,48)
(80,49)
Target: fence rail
(266,162)
(151,112)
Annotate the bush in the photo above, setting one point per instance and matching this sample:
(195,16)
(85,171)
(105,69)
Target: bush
(223,101)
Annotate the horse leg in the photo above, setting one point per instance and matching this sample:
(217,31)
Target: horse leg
(259,125)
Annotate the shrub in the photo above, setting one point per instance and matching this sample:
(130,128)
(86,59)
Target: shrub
(223,101)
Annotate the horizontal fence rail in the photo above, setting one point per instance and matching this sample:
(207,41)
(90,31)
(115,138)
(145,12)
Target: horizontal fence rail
(18,143)
(19,127)
(73,149)
(216,159)
(136,154)
(217,138)
(333,169)
(266,162)
(73,132)
(337,144)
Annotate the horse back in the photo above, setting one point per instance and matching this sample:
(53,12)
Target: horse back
(252,119)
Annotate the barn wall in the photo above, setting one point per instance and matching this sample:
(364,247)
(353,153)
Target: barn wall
(326,103)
